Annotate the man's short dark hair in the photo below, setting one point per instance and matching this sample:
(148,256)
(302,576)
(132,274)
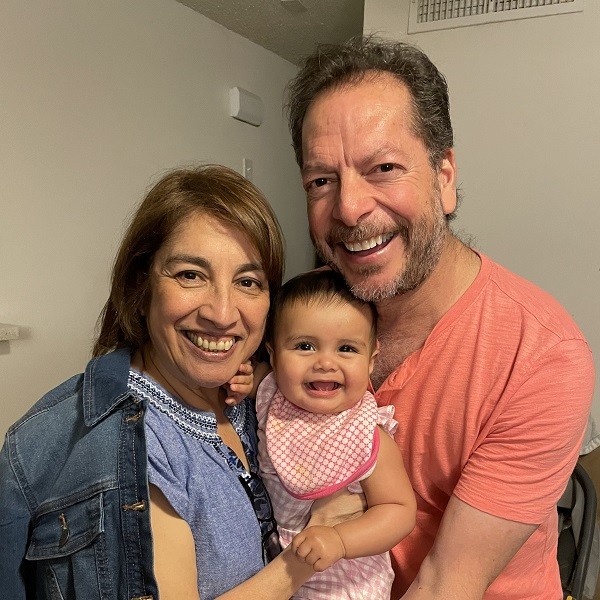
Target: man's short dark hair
(334,66)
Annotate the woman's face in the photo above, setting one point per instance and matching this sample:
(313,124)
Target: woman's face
(209,299)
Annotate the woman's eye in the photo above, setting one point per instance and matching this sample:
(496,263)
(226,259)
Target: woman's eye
(189,278)
(251,283)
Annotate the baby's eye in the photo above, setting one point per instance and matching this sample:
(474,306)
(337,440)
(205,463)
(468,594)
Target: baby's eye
(347,348)
(305,346)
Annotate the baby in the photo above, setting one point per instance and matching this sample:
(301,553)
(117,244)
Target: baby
(320,431)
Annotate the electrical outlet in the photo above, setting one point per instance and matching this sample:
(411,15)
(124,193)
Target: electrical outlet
(247,170)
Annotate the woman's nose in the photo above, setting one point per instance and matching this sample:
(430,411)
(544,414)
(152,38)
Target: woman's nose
(219,308)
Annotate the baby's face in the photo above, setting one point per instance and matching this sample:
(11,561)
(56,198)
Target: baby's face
(323,355)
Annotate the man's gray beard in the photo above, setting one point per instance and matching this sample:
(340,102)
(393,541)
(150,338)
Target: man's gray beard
(423,247)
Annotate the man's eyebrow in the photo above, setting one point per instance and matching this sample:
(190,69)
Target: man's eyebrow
(382,154)
(316,167)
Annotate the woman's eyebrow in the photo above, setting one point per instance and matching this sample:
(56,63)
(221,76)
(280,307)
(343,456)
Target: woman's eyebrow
(188,258)
(253,266)
(205,264)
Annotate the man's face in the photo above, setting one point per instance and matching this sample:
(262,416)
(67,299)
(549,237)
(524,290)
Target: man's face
(376,207)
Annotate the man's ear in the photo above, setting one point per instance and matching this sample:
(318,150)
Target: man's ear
(446,176)
(373,355)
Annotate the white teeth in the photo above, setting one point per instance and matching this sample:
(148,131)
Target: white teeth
(368,244)
(211,346)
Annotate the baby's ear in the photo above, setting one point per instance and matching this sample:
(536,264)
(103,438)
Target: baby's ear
(373,355)
(271,354)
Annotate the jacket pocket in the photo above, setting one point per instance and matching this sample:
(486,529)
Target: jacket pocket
(69,550)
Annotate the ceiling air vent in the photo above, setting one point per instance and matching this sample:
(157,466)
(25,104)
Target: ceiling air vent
(428,15)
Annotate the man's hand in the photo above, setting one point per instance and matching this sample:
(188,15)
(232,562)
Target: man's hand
(319,546)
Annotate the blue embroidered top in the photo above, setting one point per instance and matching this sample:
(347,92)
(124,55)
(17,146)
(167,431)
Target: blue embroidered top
(226,506)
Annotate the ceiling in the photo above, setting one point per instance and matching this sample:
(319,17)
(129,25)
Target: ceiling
(289,28)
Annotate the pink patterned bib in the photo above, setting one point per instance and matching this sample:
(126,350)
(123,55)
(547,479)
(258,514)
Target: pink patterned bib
(315,455)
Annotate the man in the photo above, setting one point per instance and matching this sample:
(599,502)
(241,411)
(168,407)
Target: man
(490,378)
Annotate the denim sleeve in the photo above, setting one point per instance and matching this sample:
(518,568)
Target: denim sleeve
(14,529)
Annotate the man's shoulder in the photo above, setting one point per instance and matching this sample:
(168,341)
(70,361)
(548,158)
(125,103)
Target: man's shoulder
(525,304)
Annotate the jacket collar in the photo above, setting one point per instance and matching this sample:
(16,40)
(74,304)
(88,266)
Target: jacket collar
(105,384)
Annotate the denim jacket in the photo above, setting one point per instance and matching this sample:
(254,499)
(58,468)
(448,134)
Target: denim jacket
(74,519)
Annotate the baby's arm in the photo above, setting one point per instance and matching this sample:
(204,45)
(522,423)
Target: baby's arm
(389,518)
(392,506)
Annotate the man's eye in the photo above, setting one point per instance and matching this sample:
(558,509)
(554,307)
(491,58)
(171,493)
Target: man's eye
(188,275)
(386,167)
(316,183)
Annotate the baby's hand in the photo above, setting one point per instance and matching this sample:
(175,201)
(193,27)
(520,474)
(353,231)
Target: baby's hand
(240,385)
(319,546)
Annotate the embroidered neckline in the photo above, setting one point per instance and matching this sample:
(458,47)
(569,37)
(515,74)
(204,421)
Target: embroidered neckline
(196,423)
(202,425)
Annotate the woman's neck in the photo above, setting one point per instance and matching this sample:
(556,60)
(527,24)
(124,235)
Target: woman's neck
(208,399)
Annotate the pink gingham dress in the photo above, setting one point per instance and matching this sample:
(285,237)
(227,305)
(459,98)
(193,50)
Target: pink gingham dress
(317,455)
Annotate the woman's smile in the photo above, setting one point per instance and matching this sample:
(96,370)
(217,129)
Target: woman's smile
(205,343)
(208,304)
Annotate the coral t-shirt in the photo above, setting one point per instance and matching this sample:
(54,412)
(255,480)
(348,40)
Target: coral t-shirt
(493,409)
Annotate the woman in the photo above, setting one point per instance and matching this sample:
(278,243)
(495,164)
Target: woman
(136,477)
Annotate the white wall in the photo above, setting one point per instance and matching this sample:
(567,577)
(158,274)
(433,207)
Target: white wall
(98,100)
(527,135)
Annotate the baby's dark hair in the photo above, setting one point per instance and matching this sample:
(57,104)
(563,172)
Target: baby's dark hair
(315,287)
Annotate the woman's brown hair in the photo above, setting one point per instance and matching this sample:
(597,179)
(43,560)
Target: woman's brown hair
(214,190)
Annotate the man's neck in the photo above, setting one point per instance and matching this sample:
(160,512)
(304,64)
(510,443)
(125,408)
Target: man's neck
(405,321)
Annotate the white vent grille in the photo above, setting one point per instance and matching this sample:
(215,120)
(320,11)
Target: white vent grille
(428,15)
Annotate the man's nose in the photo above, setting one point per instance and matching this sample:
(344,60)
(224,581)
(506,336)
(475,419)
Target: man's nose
(354,201)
